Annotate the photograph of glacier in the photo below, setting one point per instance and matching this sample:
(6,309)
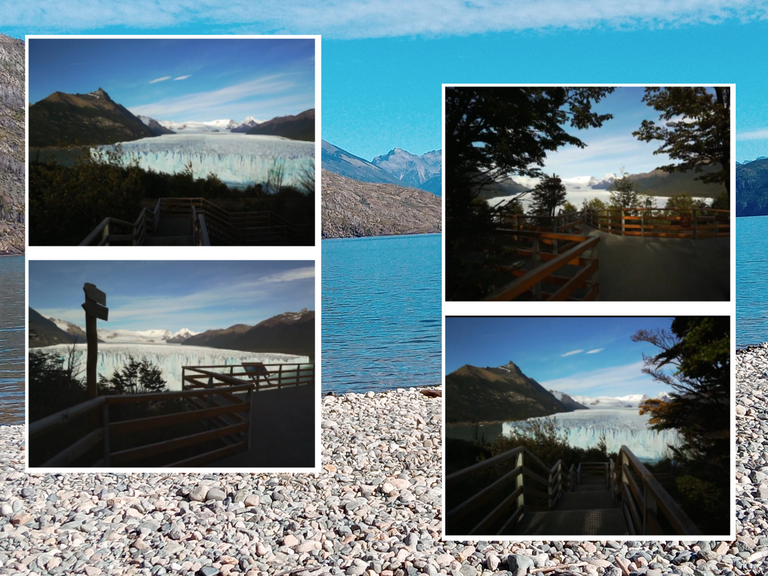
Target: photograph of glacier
(172,141)
(598,426)
(210,363)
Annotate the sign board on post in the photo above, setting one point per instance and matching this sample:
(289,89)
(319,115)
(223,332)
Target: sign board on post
(95,307)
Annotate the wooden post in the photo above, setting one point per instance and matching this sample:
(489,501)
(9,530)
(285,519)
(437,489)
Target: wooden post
(95,307)
(695,231)
(280,377)
(622,221)
(519,484)
(536,289)
(249,399)
(105,424)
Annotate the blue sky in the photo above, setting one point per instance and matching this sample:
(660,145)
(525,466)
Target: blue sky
(198,295)
(181,80)
(612,146)
(584,356)
(384,61)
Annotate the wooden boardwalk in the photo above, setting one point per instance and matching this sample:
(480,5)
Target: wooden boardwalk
(663,269)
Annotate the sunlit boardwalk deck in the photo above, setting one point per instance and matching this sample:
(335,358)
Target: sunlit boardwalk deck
(666,269)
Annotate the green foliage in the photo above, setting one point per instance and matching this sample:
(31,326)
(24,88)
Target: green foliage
(68,202)
(548,194)
(53,383)
(494,131)
(625,192)
(540,436)
(695,129)
(568,207)
(694,360)
(138,376)
(684,201)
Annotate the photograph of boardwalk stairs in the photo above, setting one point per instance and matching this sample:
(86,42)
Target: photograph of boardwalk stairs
(516,494)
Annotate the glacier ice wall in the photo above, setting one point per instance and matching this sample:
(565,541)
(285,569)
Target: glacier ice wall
(169,357)
(237,159)
(583,429)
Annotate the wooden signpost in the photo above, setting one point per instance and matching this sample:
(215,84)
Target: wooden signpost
(95,307)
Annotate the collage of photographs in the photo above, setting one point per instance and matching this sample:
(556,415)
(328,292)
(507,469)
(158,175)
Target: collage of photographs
(374,289)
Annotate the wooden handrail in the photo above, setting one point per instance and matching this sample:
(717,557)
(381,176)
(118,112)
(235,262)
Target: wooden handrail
(62,417)
(649,495)
(535,276)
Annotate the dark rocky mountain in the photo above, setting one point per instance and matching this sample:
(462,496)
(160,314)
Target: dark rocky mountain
(245,125)
(660,183)
(82,119)
(155,127)
(502,394)
(43,332)
(12,104)
(505,187)
(410,170)
(289,333)
(298,127)
(352,209)
(752,188)
(567,401)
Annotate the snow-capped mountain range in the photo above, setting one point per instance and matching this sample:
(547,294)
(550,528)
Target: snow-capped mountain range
(128,336)
(194,126)
(574,182)
(629,401)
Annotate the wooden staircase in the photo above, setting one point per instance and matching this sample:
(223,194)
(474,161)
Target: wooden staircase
(588,510)
(515,493)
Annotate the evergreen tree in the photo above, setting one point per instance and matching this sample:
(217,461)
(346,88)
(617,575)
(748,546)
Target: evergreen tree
(695,129)
(625,192)
(548,194)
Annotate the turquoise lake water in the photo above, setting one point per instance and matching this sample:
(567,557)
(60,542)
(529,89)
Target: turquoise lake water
(382,313)
(751,280)
(12,319)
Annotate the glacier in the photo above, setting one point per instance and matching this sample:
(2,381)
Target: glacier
(583,429)
(236,159)
(169,357)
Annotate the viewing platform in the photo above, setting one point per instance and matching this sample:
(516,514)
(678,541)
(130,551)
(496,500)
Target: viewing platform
(249,415)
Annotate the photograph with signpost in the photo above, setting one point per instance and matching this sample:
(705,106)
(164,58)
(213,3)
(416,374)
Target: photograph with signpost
(179,364)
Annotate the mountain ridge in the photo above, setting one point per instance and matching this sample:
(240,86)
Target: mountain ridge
(500,394)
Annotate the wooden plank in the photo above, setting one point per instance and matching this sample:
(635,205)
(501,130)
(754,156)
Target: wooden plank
(470,470)
(175,444)
(96,310)
(484,497)
(95,294)
(210,457)
(514,519)
(74,451)
(578,281)
(517,287)
(126,426)
(134,398)
(62,417)
(482,527)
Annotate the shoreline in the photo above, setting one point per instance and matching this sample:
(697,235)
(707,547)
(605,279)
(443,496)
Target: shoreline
(375,508)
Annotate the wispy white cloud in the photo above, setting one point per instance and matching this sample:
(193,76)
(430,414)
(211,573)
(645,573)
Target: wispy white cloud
(617,380)
(380,18)
(596,350)
(203,102)
(246,299)
(161,79)
(183,77)
(571,353)
(761,134)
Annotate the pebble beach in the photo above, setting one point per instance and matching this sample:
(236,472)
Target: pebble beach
(374,509)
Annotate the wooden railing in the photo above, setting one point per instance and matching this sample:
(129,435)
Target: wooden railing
(661,222)
(550,253)
(563,222)
(492,497)
(273,377)
(226,415)
(648,507)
